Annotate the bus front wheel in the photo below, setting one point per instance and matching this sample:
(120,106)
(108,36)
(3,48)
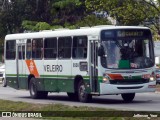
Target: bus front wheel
(4,82)
(34,92)
(82,95)
(128,97)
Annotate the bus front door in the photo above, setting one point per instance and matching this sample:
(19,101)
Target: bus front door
(94,65)
(21,77)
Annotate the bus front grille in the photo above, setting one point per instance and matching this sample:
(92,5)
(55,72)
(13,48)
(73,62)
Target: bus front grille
(129,81)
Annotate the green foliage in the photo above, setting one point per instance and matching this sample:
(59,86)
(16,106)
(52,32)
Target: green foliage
(42,26)
(29,25)
(67,11)
(35,26)
(92,20)
(126,12)
(156,37)
(56,27)
(66,3)
(35,15)
(129,12)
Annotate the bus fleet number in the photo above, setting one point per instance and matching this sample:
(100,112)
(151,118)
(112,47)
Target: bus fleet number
(75,64)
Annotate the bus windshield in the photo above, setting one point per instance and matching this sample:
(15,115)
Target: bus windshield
(127,49)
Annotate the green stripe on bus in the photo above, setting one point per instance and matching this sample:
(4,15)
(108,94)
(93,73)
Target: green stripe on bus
(53,76)
(68,76)
(11,74)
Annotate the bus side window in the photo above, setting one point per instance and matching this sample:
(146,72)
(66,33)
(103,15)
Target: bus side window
(79,49)
(28,49)
(37,48)
(64,47)
(50,48)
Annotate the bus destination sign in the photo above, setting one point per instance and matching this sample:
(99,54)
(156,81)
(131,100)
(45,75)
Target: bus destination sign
(130,33)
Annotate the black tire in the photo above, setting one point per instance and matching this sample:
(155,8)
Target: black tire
(128,97)
(82,95)
(4,82)
(73,96)
(43,94)
(34,93)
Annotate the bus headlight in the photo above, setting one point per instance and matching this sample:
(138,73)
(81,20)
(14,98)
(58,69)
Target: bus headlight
(152,77)
(106,79)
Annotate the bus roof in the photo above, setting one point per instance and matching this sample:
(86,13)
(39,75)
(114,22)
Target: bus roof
(95,30)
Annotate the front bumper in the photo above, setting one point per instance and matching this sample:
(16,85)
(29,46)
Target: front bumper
(119,89)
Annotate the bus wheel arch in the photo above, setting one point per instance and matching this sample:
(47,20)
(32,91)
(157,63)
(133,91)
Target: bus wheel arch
(74,95)
(29,79)
(33,89)
(80,89)
(77,79)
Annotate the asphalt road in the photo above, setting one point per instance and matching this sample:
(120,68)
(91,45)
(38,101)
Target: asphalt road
(142,101)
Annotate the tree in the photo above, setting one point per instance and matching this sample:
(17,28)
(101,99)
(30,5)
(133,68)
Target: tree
(154,18)
(67,14)
(93,20)
(35,15)
(68,11)
(129,12)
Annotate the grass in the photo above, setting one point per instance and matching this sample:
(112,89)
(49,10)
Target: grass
(70,111)
(6,105)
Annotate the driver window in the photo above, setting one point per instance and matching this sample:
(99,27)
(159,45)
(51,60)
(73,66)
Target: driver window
(111,54)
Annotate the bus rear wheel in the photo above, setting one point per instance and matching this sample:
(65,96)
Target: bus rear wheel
(128,97)
(34,93)
(82,95)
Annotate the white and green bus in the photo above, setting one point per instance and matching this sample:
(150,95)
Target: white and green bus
(106,60)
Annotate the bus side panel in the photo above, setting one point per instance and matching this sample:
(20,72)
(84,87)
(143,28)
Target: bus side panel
(23,84)
(11,73)
(65,84)
(22,77)
(77,70)
(39,74)
(40,84)
(65,79)
(50,75)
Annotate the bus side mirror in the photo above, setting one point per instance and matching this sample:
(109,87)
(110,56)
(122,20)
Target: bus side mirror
(101,51)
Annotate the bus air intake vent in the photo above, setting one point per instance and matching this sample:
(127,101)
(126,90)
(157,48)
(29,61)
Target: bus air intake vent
(130,87)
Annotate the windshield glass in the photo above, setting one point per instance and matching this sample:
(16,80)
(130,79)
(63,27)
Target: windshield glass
(127,49)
